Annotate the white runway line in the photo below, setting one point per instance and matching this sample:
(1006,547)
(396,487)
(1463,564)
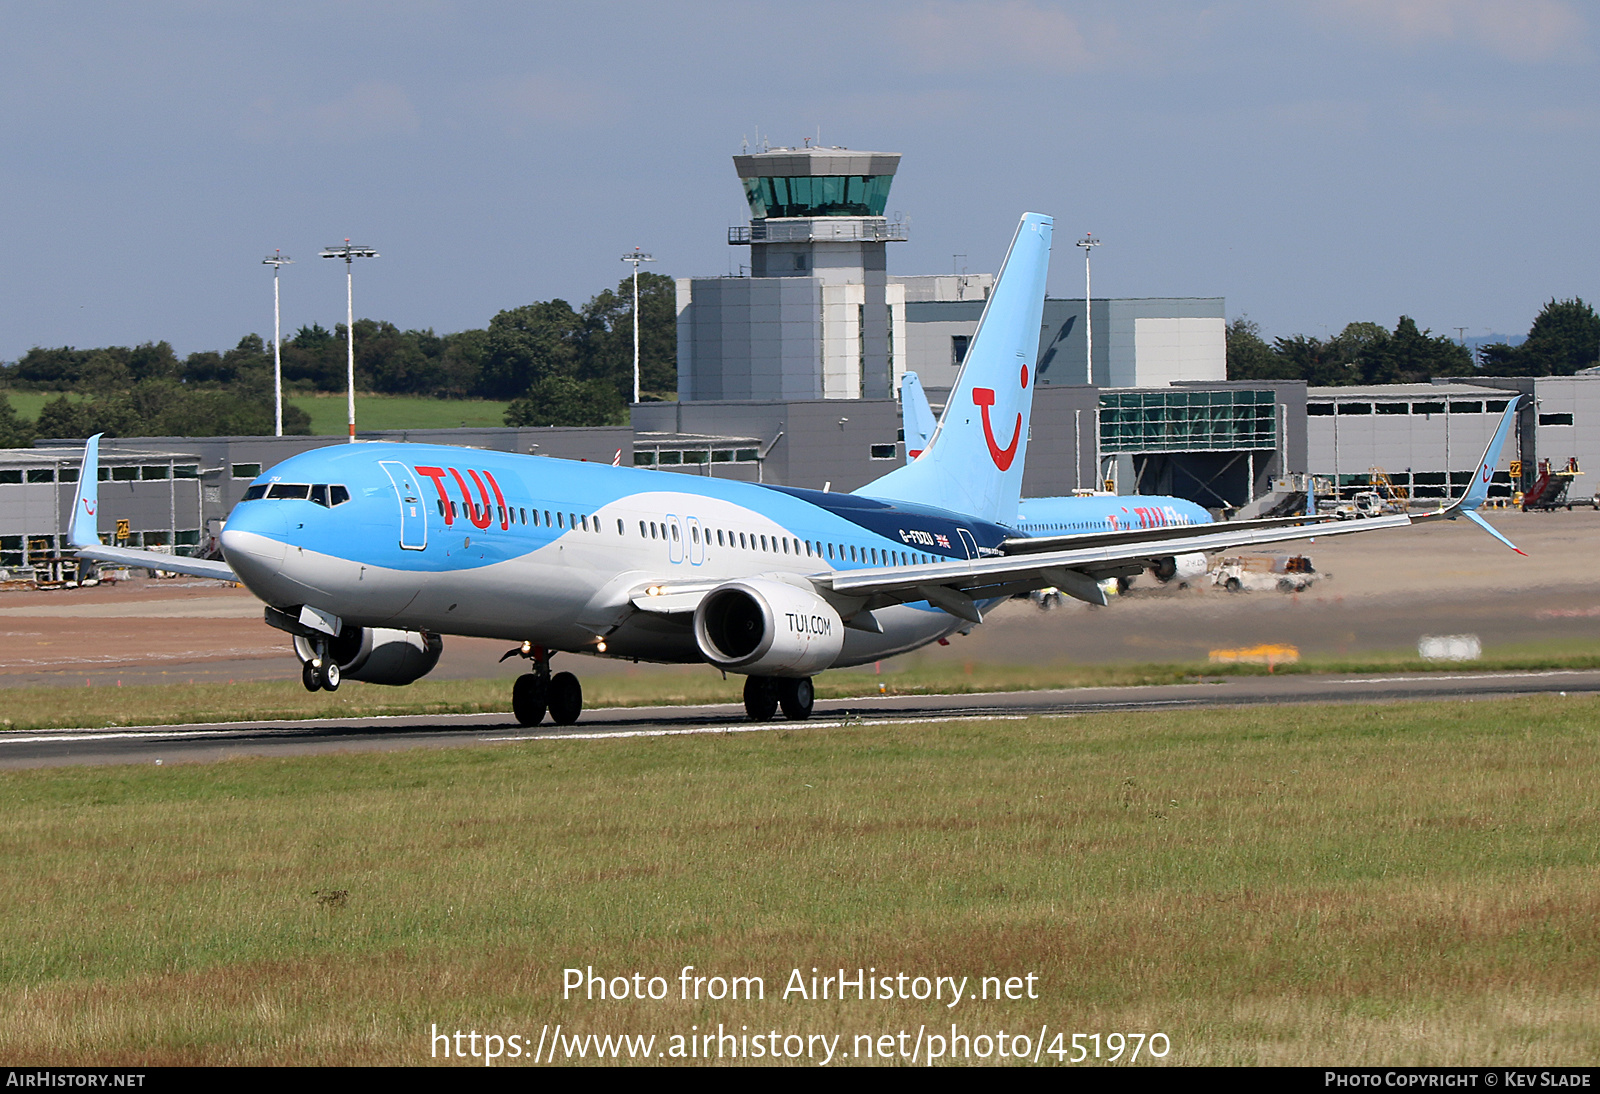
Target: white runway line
(1466,676)
(757,727)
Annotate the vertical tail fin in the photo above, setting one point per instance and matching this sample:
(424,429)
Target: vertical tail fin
(974,462)
(916,416)
(84,528)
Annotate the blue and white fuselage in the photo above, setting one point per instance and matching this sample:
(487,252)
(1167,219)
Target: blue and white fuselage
(554,552)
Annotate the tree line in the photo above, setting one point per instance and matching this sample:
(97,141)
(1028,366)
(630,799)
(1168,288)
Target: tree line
(556,364)
(1564,338)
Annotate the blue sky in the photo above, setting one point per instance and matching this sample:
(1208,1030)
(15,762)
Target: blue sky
(1315,163)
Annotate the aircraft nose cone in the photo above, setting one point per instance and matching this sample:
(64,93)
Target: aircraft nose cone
(253,542)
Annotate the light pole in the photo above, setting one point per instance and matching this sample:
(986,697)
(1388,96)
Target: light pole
(1087,243)
(350,254)
(636,257)
(276,259)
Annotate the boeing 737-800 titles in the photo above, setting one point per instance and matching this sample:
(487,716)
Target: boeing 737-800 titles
(366,554)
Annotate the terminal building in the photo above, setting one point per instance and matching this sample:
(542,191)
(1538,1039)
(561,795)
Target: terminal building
(1427,438)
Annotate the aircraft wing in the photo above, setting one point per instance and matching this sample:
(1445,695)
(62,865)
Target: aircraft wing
(1076,564)
(158,560)
(1029,545)
(84,536)
(956,586)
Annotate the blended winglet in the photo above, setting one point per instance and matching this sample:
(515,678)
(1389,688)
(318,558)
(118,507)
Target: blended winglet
(1477,491)
(83,529)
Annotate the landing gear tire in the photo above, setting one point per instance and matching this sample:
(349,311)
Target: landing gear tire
(566,698)
(796,698)
(528,699)
(330,675)
(1234,585)
(760,698)
(309,677)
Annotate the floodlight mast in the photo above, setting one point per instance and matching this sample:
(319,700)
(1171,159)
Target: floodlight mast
(1087,242)
(275,260)
(636,257)
(350,254)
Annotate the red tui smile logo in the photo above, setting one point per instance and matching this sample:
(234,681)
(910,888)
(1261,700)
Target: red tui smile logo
(983,397)
(1002,457)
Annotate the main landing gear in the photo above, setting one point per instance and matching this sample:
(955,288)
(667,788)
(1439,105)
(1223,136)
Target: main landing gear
(537,692)
(763,695)
(321,673)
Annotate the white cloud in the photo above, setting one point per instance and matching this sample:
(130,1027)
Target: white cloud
(945,36)
(1520,30)
(374,109)
(536,100)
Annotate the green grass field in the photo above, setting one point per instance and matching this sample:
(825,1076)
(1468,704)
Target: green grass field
(1388,884)
(27,404)
(330,413)
(169,704)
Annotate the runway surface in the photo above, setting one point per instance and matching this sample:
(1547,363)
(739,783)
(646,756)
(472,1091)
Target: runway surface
(210,743)
(1376,594)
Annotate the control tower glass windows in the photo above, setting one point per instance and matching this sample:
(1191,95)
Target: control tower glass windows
(818,196)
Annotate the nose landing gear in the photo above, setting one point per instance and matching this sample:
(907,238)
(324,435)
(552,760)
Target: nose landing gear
(537,692)
(321,673)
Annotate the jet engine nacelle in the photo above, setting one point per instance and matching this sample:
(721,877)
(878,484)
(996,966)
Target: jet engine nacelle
(379,655)
(1180,567)
(762,627)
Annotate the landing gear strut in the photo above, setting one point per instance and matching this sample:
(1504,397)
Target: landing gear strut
(764,694)
(321,672)
(537,692)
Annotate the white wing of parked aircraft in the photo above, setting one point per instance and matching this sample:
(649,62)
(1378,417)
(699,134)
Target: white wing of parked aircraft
(82,534)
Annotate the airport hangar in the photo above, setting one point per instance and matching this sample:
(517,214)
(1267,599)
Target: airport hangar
(788,374)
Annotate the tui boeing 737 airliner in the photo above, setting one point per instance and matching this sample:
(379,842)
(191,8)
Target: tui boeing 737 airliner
(366,554)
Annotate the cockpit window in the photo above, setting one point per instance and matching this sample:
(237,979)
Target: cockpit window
(324,494)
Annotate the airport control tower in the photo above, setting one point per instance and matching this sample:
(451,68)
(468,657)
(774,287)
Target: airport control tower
(814,320)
